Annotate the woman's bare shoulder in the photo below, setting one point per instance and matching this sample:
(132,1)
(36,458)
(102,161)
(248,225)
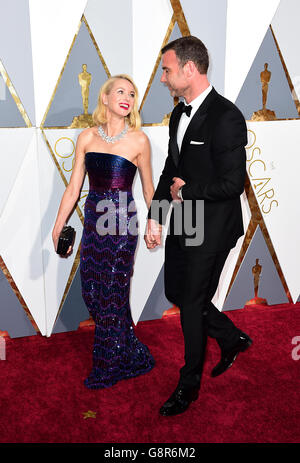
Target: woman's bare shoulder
(139,136)
(86,134)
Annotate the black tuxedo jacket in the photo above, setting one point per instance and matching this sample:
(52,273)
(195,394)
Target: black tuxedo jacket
(214,170)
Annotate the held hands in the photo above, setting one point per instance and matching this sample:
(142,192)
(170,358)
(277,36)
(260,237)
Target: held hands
(154,229)
(178,183)
(153,234)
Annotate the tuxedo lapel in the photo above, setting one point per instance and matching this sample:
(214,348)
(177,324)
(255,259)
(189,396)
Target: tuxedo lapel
(195,124)
(173,133)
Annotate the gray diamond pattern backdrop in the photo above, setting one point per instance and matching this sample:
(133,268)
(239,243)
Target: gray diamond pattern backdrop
(42,50)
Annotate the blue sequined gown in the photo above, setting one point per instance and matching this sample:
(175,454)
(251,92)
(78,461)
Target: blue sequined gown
(106,264)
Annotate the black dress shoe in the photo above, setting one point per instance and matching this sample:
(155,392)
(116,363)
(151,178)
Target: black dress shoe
(228,357)
(179,401)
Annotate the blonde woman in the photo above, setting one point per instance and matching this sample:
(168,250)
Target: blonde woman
(110,152)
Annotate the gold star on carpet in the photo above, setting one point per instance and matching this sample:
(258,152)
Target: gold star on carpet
(89,414)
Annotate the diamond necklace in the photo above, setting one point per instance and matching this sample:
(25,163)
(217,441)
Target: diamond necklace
(115,138)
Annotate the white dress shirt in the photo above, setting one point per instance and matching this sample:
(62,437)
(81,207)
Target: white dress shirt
(185,120)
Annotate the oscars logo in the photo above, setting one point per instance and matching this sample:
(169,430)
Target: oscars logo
(84,120)
(264,114)
(256,271)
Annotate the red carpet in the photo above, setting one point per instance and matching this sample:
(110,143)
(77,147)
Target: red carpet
(43,398)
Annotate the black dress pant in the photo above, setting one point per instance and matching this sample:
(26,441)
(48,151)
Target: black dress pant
(191,280)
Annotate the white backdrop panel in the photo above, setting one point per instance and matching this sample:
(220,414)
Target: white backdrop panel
(55,268)
(111,25)
(31,186)
(20,236)
(247,24)
(228,269)
(147,18)
(273,167)
(14,144)
(53,27)
(286,29)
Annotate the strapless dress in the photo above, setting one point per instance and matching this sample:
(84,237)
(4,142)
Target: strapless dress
(108,247)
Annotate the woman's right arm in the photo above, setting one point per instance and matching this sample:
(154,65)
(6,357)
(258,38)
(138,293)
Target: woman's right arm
(71,194)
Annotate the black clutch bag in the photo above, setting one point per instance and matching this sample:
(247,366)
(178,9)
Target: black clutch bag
(66,239)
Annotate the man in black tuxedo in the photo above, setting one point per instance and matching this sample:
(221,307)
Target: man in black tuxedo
(206,164)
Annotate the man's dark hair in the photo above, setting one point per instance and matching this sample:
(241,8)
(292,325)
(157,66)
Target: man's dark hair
(189,48)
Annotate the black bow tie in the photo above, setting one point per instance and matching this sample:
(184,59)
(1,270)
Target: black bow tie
(186,109)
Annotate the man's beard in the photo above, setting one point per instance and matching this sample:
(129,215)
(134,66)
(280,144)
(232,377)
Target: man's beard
(177,92)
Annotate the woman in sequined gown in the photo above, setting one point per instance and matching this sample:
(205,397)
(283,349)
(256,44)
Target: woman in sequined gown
(110,236)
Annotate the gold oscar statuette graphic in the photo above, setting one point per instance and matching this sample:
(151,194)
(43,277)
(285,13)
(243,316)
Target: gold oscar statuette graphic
(256,271)
(264,114)
(84,120)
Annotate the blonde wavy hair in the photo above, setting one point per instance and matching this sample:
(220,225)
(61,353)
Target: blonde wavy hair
(99,115)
